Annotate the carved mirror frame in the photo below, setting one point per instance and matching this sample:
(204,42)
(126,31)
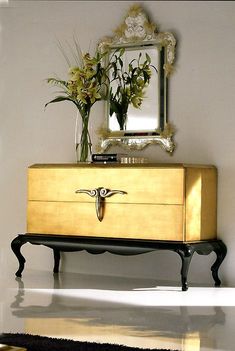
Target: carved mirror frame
(138,31)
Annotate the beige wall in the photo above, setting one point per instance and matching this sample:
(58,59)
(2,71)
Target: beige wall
(202,107)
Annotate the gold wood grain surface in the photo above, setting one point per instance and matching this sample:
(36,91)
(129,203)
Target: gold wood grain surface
(143,221)
(201,206)
(162,202)
(143,185)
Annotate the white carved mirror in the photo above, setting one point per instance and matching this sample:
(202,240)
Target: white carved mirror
(149,123)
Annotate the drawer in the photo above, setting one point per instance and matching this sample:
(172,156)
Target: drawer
(162,202)
(139,221)
(142,185)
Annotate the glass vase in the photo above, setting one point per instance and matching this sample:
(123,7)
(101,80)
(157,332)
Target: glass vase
(83,145)
(122,120)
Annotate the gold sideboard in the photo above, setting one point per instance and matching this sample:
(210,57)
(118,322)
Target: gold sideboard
(175,202)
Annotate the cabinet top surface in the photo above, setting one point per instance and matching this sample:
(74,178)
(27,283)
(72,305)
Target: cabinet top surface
(119,165)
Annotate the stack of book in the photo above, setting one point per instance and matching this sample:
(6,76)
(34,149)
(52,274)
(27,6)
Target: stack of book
(117,158)
(107,158)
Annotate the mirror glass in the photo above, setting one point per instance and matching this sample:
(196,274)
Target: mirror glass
(146,118)
(149,123)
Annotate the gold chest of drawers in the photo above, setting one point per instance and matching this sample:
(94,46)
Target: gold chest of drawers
(173,202)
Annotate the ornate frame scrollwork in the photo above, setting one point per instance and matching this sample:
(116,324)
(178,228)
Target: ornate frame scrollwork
(138,31)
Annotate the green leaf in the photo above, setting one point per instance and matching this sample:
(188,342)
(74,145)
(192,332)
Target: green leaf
(146,77)
(121,51)
(120,62)
(59,99)
(148,58)
(57,82)
(130,67)
(113,107)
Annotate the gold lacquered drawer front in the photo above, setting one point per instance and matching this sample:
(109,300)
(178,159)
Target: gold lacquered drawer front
(162,202)
(141,221)
(142,185)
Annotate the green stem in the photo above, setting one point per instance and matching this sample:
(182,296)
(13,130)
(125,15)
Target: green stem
(85,140)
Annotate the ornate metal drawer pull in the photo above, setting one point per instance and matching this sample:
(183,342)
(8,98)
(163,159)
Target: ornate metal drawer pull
(100,194)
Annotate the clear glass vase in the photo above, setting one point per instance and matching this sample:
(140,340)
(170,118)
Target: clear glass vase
(83,145)
(122,120)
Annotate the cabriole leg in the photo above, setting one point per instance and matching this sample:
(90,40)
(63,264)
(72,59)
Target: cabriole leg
(56,260)
(221,250)
(186,255)
(16,246)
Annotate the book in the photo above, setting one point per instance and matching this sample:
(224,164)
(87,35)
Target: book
(104,158)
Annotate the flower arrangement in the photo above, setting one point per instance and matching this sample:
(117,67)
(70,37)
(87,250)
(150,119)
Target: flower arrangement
(129,85)
(85,85)
(92,79)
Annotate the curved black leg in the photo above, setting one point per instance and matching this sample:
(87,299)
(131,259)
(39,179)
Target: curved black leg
(16,246)
(56,260)
(62,243)
(221,250)
(186,254)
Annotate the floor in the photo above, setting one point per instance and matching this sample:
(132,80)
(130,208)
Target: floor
(134,312)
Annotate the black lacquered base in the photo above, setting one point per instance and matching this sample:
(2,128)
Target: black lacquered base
(64,243)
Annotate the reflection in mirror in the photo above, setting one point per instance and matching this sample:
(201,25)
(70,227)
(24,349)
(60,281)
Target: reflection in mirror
(147,124)
(146,117)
